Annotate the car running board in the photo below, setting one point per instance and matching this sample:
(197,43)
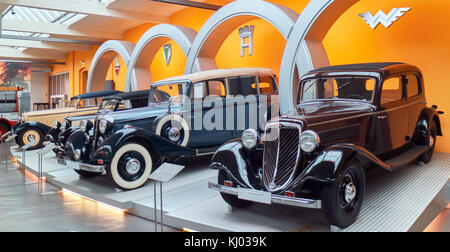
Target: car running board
(407,157)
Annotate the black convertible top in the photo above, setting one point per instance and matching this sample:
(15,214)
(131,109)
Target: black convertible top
(96,94)
(131,95)
(364,66)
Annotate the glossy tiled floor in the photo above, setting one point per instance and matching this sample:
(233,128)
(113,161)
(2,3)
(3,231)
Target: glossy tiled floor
(21,209)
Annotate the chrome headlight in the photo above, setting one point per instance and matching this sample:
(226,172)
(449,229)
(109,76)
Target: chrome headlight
(104,123)
(250,138)
(21,119)
(63,126)
(83,125)
(56,125)
(309,141)
(77,154)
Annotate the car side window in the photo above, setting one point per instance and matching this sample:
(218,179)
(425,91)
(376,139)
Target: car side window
(413,85)
(267,85)
(244,85)
(392,90)
(216,87)
(197,91)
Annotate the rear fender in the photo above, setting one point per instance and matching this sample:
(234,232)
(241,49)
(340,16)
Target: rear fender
(21,127)
(422,126)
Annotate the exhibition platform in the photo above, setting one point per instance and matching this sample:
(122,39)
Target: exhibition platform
(406,199)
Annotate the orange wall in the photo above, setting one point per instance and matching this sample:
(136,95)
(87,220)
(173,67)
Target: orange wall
(419,38)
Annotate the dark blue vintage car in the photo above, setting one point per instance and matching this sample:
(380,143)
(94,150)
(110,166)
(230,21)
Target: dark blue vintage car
(187,116)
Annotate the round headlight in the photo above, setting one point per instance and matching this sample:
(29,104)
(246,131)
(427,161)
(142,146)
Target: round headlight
(102,126)
(83,125)
(250,138)
(63,126)
(77,154)
(309,141)
(56,125)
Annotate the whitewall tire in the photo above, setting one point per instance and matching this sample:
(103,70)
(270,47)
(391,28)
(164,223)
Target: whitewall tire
(131,166)
(174,128)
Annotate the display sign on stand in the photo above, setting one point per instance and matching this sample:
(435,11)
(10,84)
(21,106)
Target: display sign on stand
(164,174)
(41,154)
(24,166)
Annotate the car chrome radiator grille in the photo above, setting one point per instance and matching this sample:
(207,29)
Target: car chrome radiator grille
(281,155)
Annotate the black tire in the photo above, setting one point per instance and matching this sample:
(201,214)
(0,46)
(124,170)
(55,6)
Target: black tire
(138,174)
(87,174)
(22,137)
(432,133)
(231,200)
(339,210)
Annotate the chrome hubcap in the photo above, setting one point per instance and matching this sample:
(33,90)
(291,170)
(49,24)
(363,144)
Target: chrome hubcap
(174,134)
(31,138)
(133,166)
(349,192)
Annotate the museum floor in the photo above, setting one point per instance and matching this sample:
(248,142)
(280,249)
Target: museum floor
(22,210)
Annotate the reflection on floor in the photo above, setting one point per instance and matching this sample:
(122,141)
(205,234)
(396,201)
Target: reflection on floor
(21,209)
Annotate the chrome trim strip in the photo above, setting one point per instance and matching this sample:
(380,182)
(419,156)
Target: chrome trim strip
(277,199)
(365,114)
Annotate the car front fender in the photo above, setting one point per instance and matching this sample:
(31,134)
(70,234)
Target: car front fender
(160,146)
(52,135)
(240,164)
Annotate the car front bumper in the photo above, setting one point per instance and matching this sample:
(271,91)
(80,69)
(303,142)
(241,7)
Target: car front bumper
(267,197)
(81,166)
(8,136)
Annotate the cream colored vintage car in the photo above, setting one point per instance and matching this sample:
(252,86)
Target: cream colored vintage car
(34,125)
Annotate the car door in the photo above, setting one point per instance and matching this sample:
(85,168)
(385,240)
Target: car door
(416,100)
(243,99)
(392,116)
(206,117)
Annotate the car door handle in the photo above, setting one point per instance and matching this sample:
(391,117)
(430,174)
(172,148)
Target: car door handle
(382,117)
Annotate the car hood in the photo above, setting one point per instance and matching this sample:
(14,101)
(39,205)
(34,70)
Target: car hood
(150,111)
(323,111)
(88,116)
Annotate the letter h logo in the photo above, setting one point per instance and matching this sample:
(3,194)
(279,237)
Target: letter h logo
(246,32)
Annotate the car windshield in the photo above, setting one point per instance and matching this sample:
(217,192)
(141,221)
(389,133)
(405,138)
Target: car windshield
(163,93)
(83,103)
(109,104)
(354,88)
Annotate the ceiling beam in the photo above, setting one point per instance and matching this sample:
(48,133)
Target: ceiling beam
(88,8)
(188,3)
(22,55)
(43,45)
(55,29)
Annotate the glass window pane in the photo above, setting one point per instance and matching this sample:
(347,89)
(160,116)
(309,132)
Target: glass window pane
(392,90)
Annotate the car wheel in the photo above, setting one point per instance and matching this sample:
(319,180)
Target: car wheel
(29,134)
(174,128)
(131,166)
(87,174)
(342,199)
(432,132)
(231,200)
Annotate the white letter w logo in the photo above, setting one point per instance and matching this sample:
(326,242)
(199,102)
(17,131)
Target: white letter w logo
(380,17)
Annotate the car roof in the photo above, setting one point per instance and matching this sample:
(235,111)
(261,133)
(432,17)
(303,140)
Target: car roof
(130,95)
(96,94)
(383,68)
(216,74)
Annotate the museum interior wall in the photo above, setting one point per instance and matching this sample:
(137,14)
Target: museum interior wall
(350,40)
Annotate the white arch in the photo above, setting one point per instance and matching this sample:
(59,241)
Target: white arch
(224,21)
(102,61)
(304,48)
(138,75)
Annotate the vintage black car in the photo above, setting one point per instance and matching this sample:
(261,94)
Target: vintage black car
(118,102)
(34,125)
(129,145)
(348,118)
